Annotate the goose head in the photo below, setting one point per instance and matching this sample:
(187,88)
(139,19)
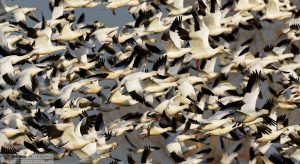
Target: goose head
(150,116)
(92,4)
(263,112)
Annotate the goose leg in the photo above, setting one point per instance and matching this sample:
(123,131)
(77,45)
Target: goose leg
(113,11)
(144,136)
(118,106)
(65,152)
(197,64)
(67,120)
(37,56)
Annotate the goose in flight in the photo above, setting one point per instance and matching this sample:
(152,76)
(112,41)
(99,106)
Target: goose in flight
(198,39)
(273,11)
(42,45)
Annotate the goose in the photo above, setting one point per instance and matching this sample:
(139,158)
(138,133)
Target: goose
(135,149)
(294,156)
(117,97)
(198,157)
(155,129)
(242,17)
(213,22)
(105,34)
(172,51)
(214,123)
(67,34)
(122,68)
(134,87)
(9,42)
(222,130)
(150,116)
(6,147)
(156,25)
(66,91)
(18,135)
(7,71)
(151,86)
(120,130)
(7,27)
(290,68)
(69,113)
(107,147)
(70,5)
(174,147)
(270,151)
(178,8)
(66,61)
(222,88)
(114,4)
(273,11)
(198,39)
(124,35)
(119,122)
(174,108)
(80,52)
(20,13)
(80,67)
(145,151)
(276,132)
(142,6)
(6,9)
(43,45)
(58,17)
(253,5)
(24,77)
(87,159)
(187,89)
(70,135)
(82,102)
(248,111)
(12,120)
(92,4)
(230,156)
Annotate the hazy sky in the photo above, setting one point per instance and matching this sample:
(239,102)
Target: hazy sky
(98,13)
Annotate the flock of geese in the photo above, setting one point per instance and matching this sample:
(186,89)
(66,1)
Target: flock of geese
(201,87)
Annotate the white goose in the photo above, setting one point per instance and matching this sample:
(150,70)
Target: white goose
(20,13)
(6,147)
(65,93)
(248,111)
(24,77)
(8,41)
(172,51)
(114,4)
(273,11)
(154,129)
(104,35)
(178,8)
(117,97)
(213,22)
(67,34)
(229,156)
(174,147)
(198,40)
(276,131)
(70,5)
(7,69)
(253,5)
(43,46)
(156,24)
